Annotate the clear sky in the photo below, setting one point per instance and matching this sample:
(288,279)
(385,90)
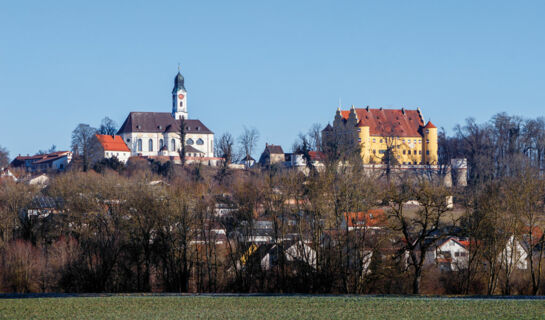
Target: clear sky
(279,66)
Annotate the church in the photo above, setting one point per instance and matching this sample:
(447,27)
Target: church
(157,134)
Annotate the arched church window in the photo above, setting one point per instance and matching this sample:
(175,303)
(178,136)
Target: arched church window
(173,145)
(161,144)
(150,145)
(139,144)
(181,103)
(200,142)
(189,141)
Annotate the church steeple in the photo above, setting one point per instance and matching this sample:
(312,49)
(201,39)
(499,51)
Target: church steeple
(178,82)
(179,98)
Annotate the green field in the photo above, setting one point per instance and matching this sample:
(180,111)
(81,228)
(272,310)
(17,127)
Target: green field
(202,307)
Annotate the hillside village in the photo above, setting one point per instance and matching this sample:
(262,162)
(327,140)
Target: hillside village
(377,201)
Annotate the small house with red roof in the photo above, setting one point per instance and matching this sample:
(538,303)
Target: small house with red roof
(109,146)
(370,219)
(450,254)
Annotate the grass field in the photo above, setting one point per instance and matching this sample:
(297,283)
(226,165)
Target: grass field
(202,307)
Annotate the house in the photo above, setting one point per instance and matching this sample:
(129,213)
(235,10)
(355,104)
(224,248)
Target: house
(248,161)
(293,252)
(371,219)
(109,146)
(514,254)
(450,254)
(377,131)
(272,154)
(5,173)
(55,161)
(297,159)
(158,134)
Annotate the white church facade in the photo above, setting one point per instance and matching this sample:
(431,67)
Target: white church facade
(157,134)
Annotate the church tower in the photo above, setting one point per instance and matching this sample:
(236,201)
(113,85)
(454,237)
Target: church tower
(179,98)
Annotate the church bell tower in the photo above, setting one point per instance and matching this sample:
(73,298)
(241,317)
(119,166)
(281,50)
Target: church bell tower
(179,98)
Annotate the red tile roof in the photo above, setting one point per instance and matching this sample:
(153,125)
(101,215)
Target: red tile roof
(316,155)
(430,125)
(389,122)
(112,143)
(371,218)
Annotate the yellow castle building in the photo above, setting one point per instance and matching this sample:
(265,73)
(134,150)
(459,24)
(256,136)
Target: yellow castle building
(402,134)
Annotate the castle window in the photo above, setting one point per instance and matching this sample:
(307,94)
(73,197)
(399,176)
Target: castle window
(200,142)
(428,152)
(414,140)
(419,151)
(380,140)
(427,141)
(359,139)
(374,140)
(139,144)
(404,151)
(150,145)
(408,151)
(419,141)
(427,130)
(189,141)
(403,140)
(173,145)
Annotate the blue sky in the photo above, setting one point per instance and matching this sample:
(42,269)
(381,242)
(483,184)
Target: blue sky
(279,66)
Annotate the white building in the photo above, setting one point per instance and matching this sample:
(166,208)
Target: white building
(55,161)
(107,146)
(450,254)
(157,134)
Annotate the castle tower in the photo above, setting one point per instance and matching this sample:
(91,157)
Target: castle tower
(179,98)
(364,141)
(430,144)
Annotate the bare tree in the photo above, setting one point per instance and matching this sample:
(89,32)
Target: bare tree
(225,149)
(107,126)
(4,157)
(82,142)
(315,137)
(248,141)
(420,229)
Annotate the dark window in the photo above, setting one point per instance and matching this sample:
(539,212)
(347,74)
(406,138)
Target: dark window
(189,141)
(200,142)
(150,145)
(139,144)
(428,152)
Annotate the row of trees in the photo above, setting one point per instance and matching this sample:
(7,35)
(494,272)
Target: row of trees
(117,233)
(152,226)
